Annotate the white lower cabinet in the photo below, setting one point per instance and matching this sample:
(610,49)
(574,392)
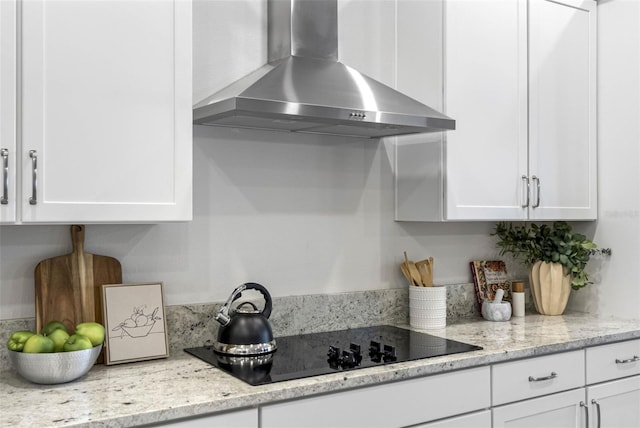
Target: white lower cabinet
(396,404)
(552,387)
(615,404)
(613,361)
(613,391)
(236,419)
(473,420)
(561,410)
(534,377)
(598,387)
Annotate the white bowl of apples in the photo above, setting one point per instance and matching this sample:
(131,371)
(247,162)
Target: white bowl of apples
(54,356)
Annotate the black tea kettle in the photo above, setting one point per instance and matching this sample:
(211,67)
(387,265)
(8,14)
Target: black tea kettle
(246,329)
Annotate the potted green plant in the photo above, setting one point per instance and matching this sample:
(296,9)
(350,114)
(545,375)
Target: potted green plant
(556,257)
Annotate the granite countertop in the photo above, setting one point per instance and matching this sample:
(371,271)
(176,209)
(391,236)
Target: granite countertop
(183,386)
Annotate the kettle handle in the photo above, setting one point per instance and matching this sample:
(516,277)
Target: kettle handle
(223,316)
(266,312)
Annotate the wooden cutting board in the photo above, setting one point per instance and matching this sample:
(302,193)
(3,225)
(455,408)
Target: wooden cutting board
(68,288)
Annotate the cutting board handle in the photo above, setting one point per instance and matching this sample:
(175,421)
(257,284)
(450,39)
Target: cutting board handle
(77,238)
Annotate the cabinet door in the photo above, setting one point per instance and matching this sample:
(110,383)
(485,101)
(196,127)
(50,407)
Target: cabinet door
(106,109)
(562,109)
(616,404)
(562,410)
(7,111)
(486,93)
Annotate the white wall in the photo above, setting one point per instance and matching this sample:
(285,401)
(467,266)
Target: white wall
(617,292)
(307,214)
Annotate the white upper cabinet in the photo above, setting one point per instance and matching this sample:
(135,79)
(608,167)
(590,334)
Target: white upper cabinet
(105,112)
(519,79)
(7,111)
(562,109)
(486,93)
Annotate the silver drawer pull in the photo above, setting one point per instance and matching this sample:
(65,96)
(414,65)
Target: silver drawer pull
(33,200)
(628,360)
(4,199)
(553,375)
(525,190)
(595,403)
(586,413)
(536,180)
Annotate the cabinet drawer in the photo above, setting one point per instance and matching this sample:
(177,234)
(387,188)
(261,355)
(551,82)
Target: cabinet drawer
(532,377)
(474,420)
(613,361)
(395,404)
(234,419)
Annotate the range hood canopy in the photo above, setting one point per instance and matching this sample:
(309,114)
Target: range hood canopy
(304,88)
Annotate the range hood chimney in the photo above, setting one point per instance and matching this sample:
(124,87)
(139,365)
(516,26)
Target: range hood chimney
(304,88)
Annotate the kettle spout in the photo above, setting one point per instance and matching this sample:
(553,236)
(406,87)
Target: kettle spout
(222,317)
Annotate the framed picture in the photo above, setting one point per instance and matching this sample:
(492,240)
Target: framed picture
(135,322)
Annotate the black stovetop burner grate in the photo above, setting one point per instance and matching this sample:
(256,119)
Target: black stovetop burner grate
(328,352)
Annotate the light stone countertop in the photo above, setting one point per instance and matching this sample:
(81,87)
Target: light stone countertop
(184,386)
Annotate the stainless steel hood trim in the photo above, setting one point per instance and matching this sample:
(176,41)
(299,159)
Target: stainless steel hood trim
(282,110)
(309,90)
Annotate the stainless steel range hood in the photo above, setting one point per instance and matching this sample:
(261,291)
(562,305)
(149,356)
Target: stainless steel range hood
(304,88)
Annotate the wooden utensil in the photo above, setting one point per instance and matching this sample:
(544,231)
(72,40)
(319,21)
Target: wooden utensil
(413,271)
(425,267)
(68,287)
(405,272)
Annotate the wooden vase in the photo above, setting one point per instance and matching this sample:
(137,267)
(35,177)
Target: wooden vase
(550,287)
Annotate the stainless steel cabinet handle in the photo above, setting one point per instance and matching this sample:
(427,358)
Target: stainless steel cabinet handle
(628,360)
(553,375)
(525,179)
(4,200)
(34,174)
(536,180)
(586,413)
(598,410)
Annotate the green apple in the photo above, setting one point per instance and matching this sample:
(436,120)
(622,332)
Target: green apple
(53,326)
(17,340)
(59,336)
(77,342)
(93,330)
(38,344)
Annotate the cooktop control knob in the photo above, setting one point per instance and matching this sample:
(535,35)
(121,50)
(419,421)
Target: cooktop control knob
(389,353)
(339,359)
(375,351)
(334,353)
(355,349)
(348,360)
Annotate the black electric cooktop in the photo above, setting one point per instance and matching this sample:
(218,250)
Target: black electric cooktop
(323,353)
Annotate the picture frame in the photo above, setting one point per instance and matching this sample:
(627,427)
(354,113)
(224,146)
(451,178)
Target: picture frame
(135,322)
